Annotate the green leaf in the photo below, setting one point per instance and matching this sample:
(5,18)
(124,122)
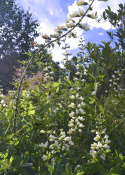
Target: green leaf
(114,171)
(56,84)
(26,164)
(26,156)
(68,169)
(11,159)
(8,136)
(121,157)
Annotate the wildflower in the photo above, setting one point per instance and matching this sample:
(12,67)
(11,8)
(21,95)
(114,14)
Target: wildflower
(72,114)
(70,124)
(93,146)
(72,105)
(81,98)
(80,130)
(44,157)
(81,2)
(70,24)
(42,131)
(97,138)
(84,26)
(77,73)
(99,145)
(68,139)
(74,14)
(72,97)
(82,104)
(94,93)
(93,153)
(61,27)
(81,118)
(45,36)
(62,133)
(77,95)
(106,137)
(83,80)
(2,101)
(81,125)
(81,12)
(55,35)
(92,15)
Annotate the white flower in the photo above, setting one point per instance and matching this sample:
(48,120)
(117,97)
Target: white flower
(70,124)
(97,138)
(81,2)
(93,153)
(81,12)
(92,131)
(81,98)
(79,105)
(84,26)
(106,146)
(62,137)
(93,146)
(53,152)
(42,131)
(93,15)
(83,80)
(82,111)
(72,114)
(75,79)
(61,27)
(68,139)
(41,145)
(70,24)
(82,104)
(2,101)
(62,133)
(80,130)
(72,97)
(44,157)
(81,125)
(55,35)
(77,73)
(71,143)
(106,137)
(94,93)
(72,105)
(107,141)
(103,132)
(77,95)
(56,143)
(81,118)
(74,14)
(99,145)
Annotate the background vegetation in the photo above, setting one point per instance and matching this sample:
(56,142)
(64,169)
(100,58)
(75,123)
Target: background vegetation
(66,121)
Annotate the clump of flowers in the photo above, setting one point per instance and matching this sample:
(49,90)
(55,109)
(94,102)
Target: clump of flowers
(101,144)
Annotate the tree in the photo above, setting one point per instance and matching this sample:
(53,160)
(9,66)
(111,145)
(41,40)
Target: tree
(17,29)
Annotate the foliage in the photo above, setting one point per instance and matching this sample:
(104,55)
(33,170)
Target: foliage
(68,125)
(17,29)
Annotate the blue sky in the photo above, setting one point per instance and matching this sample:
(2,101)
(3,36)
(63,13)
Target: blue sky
(51,13)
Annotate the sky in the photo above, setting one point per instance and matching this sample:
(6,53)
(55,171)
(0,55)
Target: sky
(51,13)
